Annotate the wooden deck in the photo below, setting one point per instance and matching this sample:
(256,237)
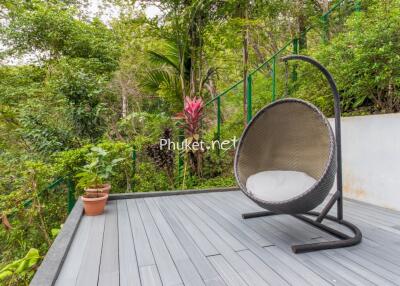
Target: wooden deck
(201,239)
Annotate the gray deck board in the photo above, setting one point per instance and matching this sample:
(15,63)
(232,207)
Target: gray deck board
(128,268)
(207,272)
(109,264)
(166,266)
(186,269)
(201,239)
(359,257)
(262,269)
(89,271)
(70,270)
(196,234)
(297,231)
(224,247)
(235,226)
(215,228)
(283,240)
(230,276)
(149,276)
(144,254)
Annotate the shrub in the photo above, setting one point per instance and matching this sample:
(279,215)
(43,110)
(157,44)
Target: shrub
(71,163)
(364,61)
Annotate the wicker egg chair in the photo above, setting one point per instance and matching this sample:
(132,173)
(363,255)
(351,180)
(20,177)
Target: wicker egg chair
(287,160)
(289,134)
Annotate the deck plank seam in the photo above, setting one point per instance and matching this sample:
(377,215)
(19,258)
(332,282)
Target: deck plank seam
(172,212)
(145,205)
(219,212)
(177,241)
(234,204)
(274,219)
(336,252)
(248,239)
(133,240)
(260,257)
(101,251)
(151,248)
(157,202)
(325,253)
(228,250)
(178,212)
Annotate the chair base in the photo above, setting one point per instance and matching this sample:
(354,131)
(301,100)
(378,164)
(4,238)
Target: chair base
(343,241)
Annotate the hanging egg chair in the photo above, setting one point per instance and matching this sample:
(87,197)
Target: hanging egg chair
(287,160)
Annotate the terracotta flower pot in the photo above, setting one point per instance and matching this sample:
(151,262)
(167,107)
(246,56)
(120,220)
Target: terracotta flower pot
(94,203)
(104,188)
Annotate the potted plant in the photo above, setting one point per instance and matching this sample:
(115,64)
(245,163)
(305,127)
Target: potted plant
(94,180)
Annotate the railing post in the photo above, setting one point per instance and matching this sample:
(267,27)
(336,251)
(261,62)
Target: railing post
(357,5)
(218,118)
(249,99)
(273,78)
(295,46)
(133,168)
(71,194)
(325,24)
(303,40)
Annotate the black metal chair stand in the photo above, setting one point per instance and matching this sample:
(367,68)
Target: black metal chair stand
(344,240)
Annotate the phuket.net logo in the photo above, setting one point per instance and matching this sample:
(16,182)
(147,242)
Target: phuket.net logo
(198,145)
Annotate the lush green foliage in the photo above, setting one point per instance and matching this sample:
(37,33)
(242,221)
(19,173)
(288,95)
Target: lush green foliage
(365,61)
(22,268)
(98,170)
(90,100)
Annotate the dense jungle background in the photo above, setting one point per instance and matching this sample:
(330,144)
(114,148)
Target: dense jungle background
(81,76)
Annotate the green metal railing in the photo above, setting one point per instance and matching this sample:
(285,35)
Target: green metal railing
(54,185)
(134,156)
(272,62)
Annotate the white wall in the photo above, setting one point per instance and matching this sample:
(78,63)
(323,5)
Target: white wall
(371,159)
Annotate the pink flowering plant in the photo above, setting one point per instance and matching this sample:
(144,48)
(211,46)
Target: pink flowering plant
(193,110)
(192,113)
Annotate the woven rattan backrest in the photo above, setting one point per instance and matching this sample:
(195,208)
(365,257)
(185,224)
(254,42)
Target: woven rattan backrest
(288,135)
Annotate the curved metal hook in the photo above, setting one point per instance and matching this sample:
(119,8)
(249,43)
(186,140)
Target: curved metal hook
(338,136)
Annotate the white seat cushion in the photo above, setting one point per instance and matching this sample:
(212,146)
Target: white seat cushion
(275,186)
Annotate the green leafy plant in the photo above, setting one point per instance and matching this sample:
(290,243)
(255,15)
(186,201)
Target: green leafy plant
(21,267)
(98,170)
(55,231)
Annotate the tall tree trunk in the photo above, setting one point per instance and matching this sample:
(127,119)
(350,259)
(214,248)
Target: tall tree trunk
(124,87)
(302,32)
(182,73)
(124,105)
(192,83)
(124,101)
(195,43)
(245,55)
(324,5)
(302,25)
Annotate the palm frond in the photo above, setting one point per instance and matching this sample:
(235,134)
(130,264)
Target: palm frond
(162,59)
(156,78)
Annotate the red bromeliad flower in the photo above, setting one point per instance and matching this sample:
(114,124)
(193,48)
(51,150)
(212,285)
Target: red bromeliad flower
(193,110)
